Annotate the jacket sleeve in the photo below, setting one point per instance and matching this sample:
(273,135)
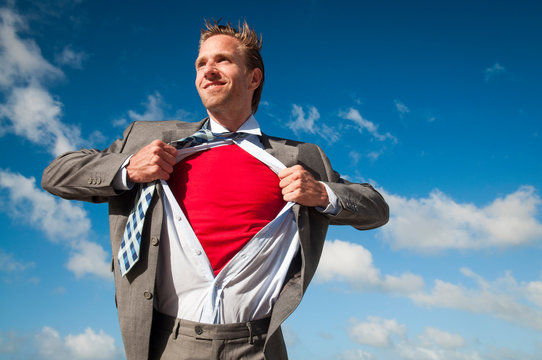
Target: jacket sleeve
(86,174)
(362,206)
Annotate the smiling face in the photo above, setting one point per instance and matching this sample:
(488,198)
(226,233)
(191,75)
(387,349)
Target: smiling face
(224,84)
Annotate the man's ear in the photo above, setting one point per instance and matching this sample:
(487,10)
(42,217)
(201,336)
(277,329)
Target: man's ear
(254,79)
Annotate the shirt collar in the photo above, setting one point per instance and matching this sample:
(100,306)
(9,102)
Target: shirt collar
(250,126)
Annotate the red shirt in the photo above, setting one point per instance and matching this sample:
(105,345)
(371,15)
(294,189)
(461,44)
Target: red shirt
(228,196)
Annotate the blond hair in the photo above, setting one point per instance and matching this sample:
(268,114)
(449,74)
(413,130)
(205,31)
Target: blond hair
(250,43)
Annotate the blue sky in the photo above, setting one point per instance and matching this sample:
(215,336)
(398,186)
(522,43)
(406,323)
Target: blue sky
(437,103)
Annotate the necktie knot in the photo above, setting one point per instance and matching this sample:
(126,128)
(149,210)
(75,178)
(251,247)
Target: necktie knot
(206,136)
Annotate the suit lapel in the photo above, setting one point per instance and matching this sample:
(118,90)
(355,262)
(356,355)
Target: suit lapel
(181,130)
(279,148)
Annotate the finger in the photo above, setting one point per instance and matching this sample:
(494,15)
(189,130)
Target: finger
(167,156)
(165,165)
(170,149)
(288,171)
(284,173)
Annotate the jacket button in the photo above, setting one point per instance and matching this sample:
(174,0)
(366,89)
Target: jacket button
(155,241)
(198,330)
(148,295)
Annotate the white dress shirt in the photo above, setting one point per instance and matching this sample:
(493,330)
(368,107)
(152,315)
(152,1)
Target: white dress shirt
(249,284)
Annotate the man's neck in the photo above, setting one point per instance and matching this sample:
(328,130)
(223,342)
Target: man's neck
(232,122)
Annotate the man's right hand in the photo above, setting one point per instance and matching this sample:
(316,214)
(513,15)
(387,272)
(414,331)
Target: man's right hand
(154,161)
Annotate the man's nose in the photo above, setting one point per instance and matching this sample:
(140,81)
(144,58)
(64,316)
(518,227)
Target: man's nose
(210,70)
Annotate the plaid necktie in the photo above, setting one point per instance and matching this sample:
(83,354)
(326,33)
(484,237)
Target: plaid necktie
(131,240)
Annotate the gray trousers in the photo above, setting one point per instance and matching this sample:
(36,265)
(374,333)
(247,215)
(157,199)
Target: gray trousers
(177,339)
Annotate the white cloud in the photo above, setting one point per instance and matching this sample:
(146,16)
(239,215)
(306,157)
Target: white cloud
(9,264)
(401,108)
(91,345)
(493,71)
(392,341)
(31,111)
(376,331)
(70,57)
(60,220)
(355,355)
(503,298)
(155,108)
(344,261)
(90,258)
(88,345)
(366,125)
(442,338)
(438,222)
(302,122)
(35,115)
(20,59)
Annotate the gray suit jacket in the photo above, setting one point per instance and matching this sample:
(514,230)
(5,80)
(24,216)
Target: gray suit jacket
(88,174)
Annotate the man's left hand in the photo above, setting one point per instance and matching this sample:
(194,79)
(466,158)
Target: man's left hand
(298,185)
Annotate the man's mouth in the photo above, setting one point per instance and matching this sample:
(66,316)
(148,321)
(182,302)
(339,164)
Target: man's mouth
(213,84)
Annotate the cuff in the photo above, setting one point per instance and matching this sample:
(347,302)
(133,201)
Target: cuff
(333,208)
(120,181)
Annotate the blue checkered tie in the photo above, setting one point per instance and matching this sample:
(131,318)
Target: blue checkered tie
(131,240)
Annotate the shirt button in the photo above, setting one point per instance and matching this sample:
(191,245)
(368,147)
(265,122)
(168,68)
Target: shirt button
(198,252)
(154,241)
(178,217)
(148,295)
(198,330)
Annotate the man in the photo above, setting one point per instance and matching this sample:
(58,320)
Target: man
(235,227)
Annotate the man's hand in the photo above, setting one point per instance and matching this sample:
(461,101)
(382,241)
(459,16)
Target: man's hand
(298,185)
(154,161)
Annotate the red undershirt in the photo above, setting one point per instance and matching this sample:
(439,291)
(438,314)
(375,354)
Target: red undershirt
(228,196)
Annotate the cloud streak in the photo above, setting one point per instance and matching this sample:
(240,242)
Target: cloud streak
(494,71)
(60,220)
(352,263)
(30,110)
(366,125)
(437,223)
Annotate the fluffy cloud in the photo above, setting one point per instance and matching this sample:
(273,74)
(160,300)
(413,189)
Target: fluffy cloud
(308,123)
(438,222)
(70,57)
(155,109)
(9,264)
(30,110)
(401,108)
(503,298)
(61,220)
(390,338)
(89,258)
(353,263)
(376,331)
(88,345)
(302,122)
(35,115)
(366,125)
(20,59)
(443,339)
(355,355)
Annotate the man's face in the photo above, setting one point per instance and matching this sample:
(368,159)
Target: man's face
(222,80)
